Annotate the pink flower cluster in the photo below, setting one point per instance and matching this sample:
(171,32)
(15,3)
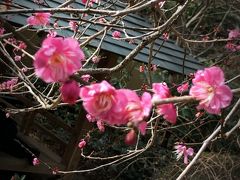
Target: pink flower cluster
(209,88)
(182,88)
(22,45)
(73,25)
(8,85)
(116,107)
(182,150)
(57,59)
(90,2)
(116,34)
(152,68)
(168,111)
(232,35)
(39,19)
(232,47)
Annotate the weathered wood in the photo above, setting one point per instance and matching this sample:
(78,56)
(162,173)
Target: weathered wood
(27,122)
(57,120)
(44,151)
(72,154)
(11,163)
(51,134)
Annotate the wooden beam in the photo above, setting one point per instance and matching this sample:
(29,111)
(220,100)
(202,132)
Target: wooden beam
(51,134)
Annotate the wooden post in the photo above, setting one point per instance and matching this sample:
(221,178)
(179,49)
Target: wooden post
(72,154)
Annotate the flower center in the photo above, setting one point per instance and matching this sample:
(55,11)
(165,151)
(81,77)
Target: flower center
(104,102)
(56,59)
(134,111)
(210,89)
(41,18)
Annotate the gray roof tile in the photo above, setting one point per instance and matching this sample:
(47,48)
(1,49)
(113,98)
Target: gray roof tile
(169,57)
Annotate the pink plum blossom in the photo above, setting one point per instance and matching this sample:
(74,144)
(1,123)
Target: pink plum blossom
(52,33)
(55,24)
(116,34)
(24,69)
(90,2)
(237,47)
(153,67)
(35,161)
(96,59)
(165,36)
(144,87)
(205,38)
(70,92)
(182,150)
(85,77)
(233,34)
(100,125)
(102,20)
(168,111)
(142,126)
(55,170)
(58,59)
(161,90)
(90,118)
(17,58)
(137,109)
(104,102)
(161,3)
(22,45)
(209,88)
(7,115)
(8,85)
(2,30)
(82,144)
(131,138)
(131,41)
(182,88)
(73,25)
(12,40)
(39,19)
(14,81)
(231,47)
(115,107)
(141,68)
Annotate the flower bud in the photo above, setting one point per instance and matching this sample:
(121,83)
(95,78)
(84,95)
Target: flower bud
(131,138)
(82,144)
